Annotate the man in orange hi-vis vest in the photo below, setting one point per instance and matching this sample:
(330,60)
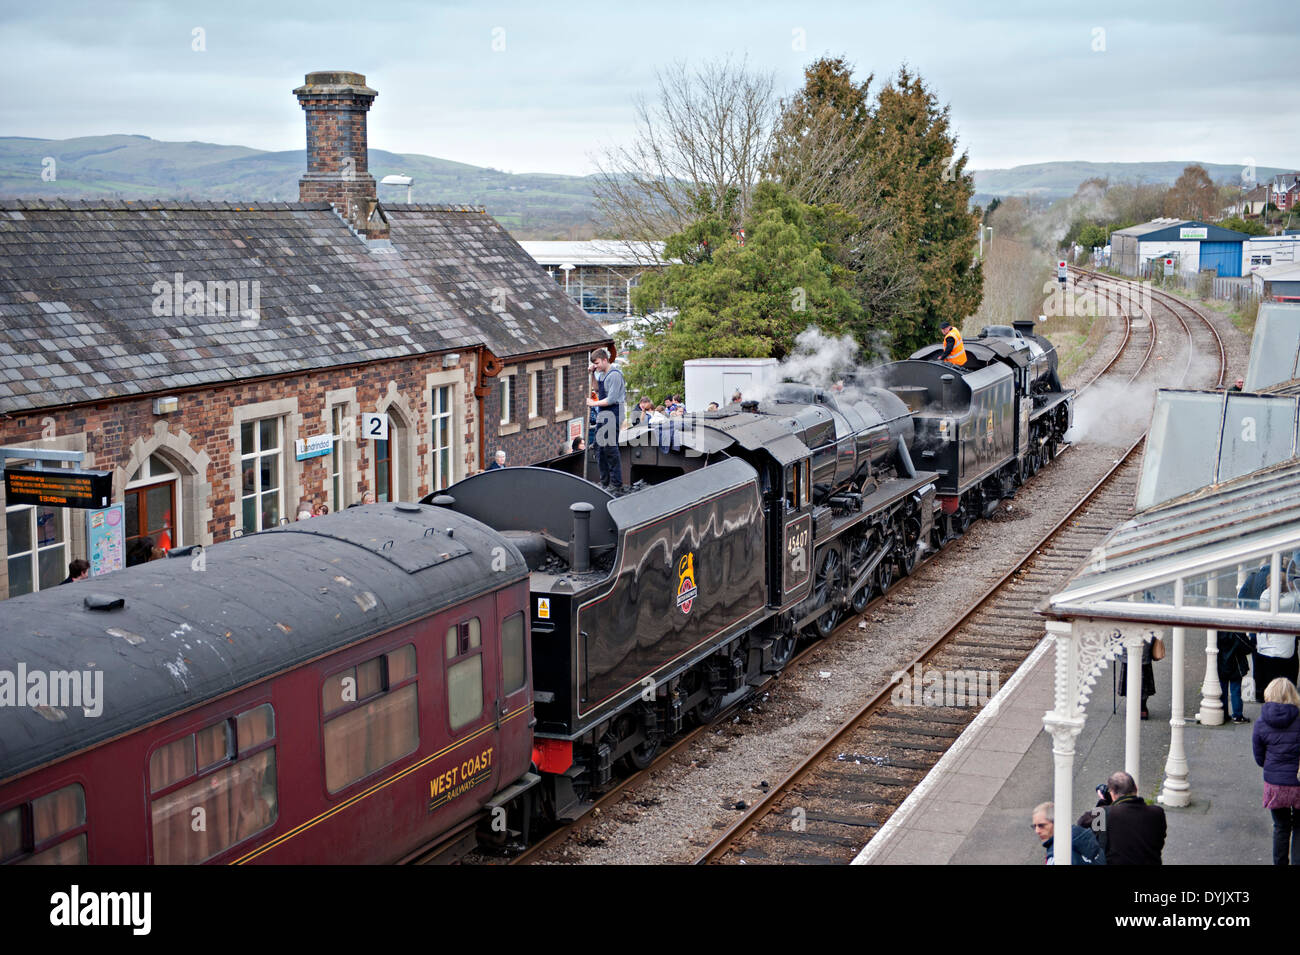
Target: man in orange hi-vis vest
(954,352)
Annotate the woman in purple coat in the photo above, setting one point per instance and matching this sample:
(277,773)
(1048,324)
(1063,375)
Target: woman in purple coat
(1276,741)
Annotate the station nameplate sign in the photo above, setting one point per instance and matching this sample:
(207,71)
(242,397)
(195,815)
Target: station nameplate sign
(58,487)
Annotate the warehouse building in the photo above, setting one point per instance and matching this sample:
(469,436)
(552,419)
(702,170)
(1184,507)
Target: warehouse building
(1193,247)
(601,274)
(1278,283)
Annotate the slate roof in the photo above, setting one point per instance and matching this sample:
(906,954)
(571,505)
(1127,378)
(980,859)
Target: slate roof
(77,298)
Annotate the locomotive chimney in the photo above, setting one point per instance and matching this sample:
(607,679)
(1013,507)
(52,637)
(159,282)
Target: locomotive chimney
(947,392)
(580,558)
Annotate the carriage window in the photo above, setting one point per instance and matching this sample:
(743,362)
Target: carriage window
(171,763)
(464,675)
(513,664)
(24,828)
(377,724)
(221,788)
(792,485)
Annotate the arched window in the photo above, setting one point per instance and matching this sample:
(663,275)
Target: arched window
(152,503)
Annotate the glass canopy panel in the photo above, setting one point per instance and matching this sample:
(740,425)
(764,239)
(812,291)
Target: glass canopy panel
(1176,459)
(1274,347)
(1257,432)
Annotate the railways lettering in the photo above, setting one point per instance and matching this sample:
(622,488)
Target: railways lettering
(609,625)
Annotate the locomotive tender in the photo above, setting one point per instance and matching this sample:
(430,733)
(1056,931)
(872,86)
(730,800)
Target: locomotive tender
(412,676)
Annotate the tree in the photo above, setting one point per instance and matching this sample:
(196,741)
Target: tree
(698,151)
(927,191)
(820,156)
(1192,196)
(1250,227)
(749,299)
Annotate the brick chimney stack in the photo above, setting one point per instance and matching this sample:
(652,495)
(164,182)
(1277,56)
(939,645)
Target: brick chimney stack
(336,103)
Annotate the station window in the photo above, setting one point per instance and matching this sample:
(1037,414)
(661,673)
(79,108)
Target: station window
(371,716)
(48,830)
(514,663)
(507,409)
(534,395)
(261,463)
(214,788)
(561,386)
(464,673)
(37,539)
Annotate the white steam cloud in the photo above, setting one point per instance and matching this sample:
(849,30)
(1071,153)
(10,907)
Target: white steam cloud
(1111,413)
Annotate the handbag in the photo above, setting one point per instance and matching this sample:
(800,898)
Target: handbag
(1157,649)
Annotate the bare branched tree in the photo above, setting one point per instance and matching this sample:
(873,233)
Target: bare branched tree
(700,148)
(818,157)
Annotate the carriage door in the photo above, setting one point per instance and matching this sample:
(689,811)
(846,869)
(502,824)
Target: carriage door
(797,539)
(514,681)
(471,654)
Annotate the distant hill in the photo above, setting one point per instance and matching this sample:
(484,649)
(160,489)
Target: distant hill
(1055,180)
(530,205)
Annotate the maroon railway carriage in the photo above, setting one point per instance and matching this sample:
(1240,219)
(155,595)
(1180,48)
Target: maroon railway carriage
(350,689)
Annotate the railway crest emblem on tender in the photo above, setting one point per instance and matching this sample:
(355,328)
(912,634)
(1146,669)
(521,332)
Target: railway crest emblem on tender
(686,589)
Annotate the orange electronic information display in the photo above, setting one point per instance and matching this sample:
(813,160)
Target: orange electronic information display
(57,487)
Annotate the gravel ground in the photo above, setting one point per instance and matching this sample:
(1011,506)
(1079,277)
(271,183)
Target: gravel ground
(690,797)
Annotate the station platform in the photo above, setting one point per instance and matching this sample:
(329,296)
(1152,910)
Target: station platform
(974,807)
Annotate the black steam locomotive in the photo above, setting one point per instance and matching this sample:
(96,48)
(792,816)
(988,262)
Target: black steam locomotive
(748,528)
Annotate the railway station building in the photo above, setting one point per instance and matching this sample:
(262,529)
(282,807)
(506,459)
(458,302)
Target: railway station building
(1193,246)
(223,361)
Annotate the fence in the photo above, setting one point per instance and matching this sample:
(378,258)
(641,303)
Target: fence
(1205,285)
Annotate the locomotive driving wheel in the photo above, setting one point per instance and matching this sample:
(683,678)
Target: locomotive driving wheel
(909,545)
(825,591)
(859,554)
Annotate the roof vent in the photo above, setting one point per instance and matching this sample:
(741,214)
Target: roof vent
(406,507)
(103,602)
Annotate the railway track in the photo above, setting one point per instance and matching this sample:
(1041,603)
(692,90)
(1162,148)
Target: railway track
(829,806)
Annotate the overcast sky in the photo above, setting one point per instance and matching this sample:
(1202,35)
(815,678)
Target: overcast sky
(1027,82)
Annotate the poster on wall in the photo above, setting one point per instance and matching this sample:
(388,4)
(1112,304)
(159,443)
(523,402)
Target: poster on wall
(106,539)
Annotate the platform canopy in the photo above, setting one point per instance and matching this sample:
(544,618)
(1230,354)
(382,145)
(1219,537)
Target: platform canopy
(1275,346)
(1182,563)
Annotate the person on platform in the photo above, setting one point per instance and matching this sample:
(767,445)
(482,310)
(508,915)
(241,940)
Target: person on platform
(610,394)
(954,352)
(1276,743)
(1276,652)
(644,408)
(368,497)
(1148,677)
(77,570)
(578,445)
(1129,831)
(498,461)
(1233,663)
(1238,385)
(1084,849)
(736,397)
(713,406)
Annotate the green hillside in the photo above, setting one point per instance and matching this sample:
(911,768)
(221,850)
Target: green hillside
(1055,180)
(530,205)
(538,205)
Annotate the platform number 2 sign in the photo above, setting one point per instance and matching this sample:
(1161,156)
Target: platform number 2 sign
(374,427)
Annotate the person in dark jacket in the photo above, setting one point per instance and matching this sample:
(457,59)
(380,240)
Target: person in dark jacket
(1148,676)
(1084,849)
(1276,741)
(1248,598)
(1128,830)
(1233,663)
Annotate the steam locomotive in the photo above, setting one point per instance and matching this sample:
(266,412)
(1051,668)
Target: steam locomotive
(750,527)
(414,677)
